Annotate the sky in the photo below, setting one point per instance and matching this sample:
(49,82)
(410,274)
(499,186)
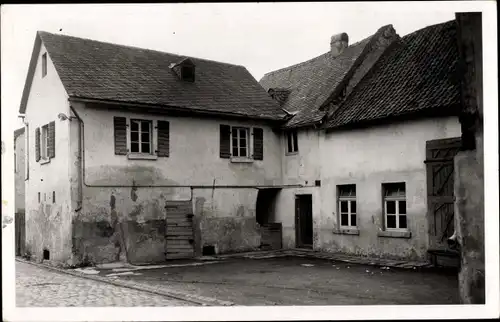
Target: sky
(260,36)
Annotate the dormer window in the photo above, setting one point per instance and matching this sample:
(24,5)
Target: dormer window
(187,73)
(184,69)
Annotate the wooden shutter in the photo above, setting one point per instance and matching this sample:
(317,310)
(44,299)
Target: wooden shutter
(258,144)
(120,132)
(52,140)
(225,141)
(163,139)
(37,144)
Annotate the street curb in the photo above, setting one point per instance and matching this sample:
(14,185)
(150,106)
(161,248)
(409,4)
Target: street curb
(196,299)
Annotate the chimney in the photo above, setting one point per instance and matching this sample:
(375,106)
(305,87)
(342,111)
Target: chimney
(338,43)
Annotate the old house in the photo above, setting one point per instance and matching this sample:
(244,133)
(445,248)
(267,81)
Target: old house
(140,155)
(374,133)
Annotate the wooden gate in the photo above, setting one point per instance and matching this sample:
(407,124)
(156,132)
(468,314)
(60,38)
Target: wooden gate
(180,230)
(440,195)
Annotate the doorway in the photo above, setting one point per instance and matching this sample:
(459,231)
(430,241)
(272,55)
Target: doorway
(303,221)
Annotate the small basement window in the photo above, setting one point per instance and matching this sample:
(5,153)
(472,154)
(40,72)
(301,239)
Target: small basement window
(347,205)
(44,65)
(395,206)
(187,73)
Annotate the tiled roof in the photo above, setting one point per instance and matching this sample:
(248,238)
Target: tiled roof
(416,74)
(104,71)
(312,82)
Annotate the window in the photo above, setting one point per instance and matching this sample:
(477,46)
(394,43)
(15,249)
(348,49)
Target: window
(187,73)
(347,205)
(44,65)
(53,197)
(395,205)
(15,161)
(140,136)
(240,142)
(292,143)
(39,197)
(45,142)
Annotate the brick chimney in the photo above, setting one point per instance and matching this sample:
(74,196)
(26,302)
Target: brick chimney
(338,43)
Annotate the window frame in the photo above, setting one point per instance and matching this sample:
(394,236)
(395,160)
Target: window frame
(397,200)
(349,199)
(44,65)
(294,145)
(238,140)
(139,133)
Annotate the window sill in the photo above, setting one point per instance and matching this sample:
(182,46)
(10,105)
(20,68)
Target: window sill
(139,156)
(241,160)
(44,161)
(394,234)
(292,153)
(346,231)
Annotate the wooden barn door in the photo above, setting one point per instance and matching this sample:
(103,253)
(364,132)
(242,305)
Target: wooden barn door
(180,230)
(440,195)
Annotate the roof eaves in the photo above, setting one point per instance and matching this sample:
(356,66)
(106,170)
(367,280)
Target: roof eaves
(191,110)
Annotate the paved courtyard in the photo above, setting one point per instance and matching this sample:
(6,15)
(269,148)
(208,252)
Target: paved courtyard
(300,281)
(45,288)
(242,281)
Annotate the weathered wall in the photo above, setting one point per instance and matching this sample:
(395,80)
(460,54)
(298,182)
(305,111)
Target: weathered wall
(226,219)
(48,223)
(369,157)
(469,165)
(301,167)
(19,173)
(285,213)
(226,216)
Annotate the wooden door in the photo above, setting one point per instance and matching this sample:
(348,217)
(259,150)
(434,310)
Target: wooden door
(180,232)
(303,221)
(440,190)
(20,233)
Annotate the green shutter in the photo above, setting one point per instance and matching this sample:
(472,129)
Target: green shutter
(258,144)
(120,133)
(225,141)
(52,140)
(37,144)
(163,139)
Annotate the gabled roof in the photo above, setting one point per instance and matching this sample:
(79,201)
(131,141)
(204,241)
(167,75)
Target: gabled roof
(312,82)
(103,71)
(416,74)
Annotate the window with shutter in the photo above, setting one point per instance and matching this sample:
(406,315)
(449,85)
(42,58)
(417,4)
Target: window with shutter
(120,133)
(163,138)
(258,144)
(37,144)
(225,141)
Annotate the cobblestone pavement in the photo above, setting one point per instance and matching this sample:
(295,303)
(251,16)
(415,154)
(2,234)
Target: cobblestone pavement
(39,287)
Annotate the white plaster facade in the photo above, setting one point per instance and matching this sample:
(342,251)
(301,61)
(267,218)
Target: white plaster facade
(365,157)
